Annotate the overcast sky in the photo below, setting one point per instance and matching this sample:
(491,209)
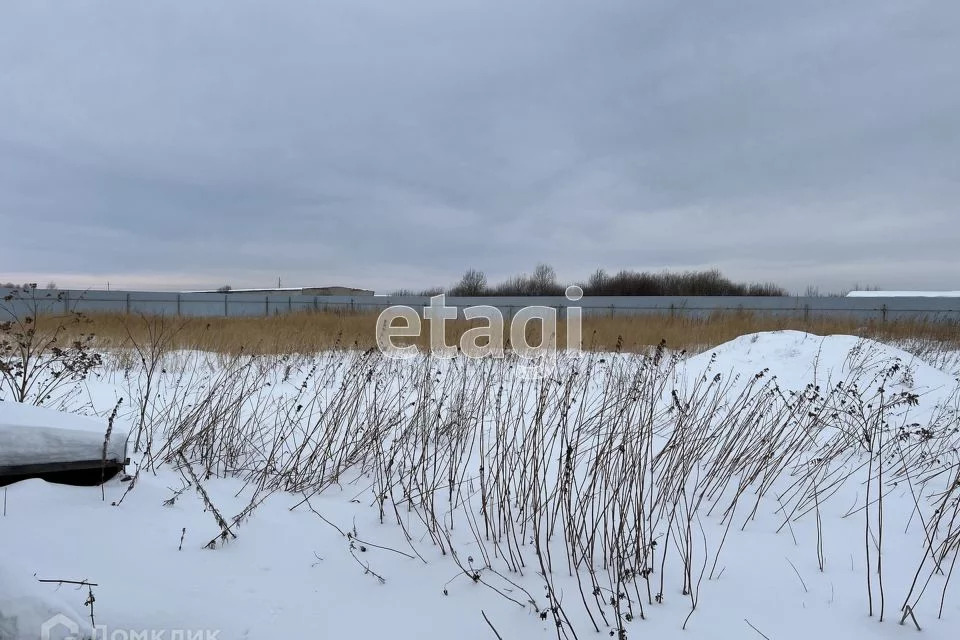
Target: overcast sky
(392,144)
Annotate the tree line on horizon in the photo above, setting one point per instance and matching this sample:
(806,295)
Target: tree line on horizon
(543,282)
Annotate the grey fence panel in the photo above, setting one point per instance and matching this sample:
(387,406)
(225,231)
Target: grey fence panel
(251,304)
(151,303)
(45,302)
(103,302)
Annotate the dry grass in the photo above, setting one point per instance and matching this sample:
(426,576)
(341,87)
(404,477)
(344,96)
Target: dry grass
(310,332)
(617,479)
(693,334)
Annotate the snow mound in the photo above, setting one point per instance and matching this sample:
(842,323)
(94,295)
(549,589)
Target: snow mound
(26,605)
(797,358)
(37,435)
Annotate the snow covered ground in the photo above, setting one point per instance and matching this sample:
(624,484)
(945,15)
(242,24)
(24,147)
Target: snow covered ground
(752,491)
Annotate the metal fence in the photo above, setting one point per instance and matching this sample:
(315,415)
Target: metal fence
(247,304)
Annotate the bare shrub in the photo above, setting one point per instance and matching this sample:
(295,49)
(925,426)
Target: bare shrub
(43,348)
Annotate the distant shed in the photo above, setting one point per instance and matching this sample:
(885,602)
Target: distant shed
(305,291)
(904,294)
(336,291)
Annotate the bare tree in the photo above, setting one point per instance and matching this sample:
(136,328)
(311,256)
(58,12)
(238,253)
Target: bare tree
(473,283)
(598,281)
(543,282)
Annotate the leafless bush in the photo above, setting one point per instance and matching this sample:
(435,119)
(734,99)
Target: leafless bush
(43,348)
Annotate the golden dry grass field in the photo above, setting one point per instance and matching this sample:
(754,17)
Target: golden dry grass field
(313,331)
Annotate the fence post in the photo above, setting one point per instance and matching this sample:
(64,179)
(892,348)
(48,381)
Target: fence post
(883,313)
(806,312)
(128,303)
(289,304)
(66,302)
(178,305)
(226,312)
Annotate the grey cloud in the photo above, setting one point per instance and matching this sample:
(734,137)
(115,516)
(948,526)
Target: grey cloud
(395,144)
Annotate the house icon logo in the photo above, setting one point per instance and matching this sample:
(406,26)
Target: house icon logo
(48,628)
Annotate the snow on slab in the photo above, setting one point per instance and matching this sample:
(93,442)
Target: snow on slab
(38,435)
